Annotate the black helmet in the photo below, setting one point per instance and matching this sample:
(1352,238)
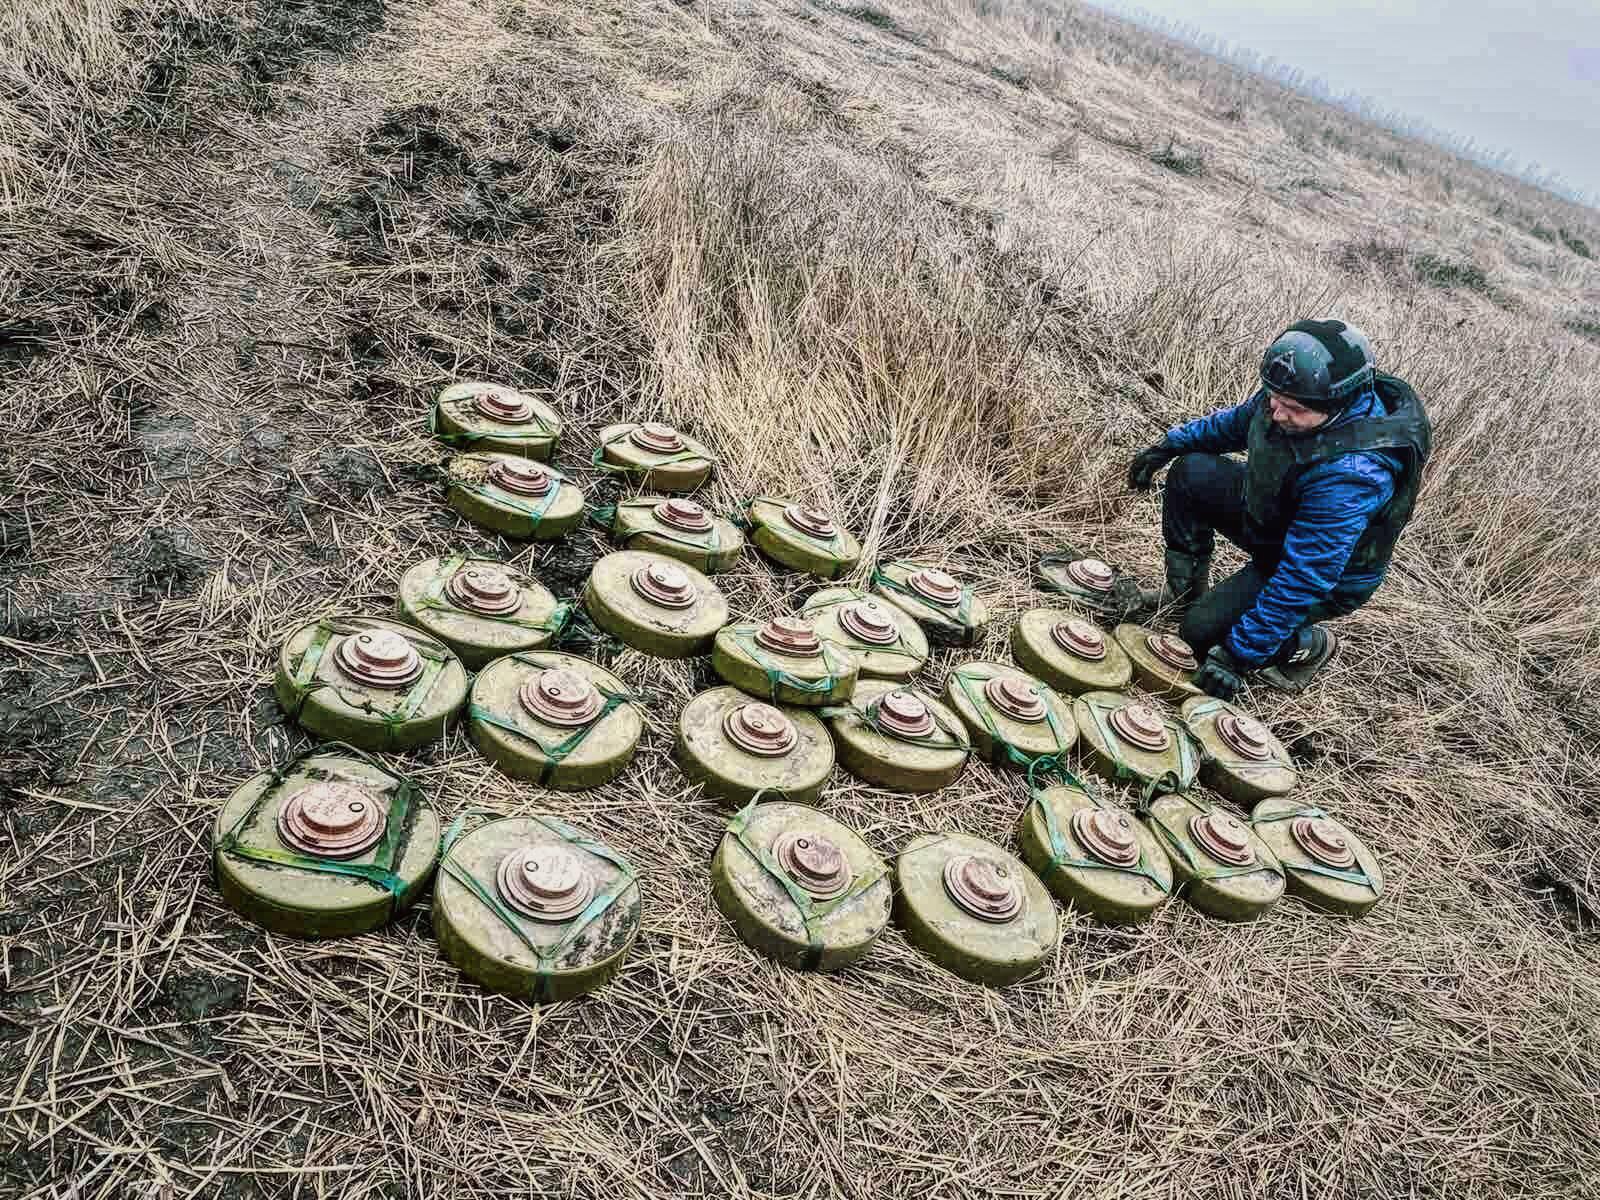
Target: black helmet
(1322,364)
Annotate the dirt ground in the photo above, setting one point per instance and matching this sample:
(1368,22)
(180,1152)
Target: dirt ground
(943,268)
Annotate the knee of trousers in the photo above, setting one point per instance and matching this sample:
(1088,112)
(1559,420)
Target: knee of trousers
(1188,469)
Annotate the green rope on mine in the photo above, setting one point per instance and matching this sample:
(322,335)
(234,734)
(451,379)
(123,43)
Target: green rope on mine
(1178,780)
(1240,766)
(1359,878)
(390,847)
(556,754)
(302,684)
(812,912)
(503,499)
(1061,857)
(1199,874)
(693,451)
(867,714)
(963,607)
(1005,751)
(778,677)
(783,529)
(596,908)
(545,432)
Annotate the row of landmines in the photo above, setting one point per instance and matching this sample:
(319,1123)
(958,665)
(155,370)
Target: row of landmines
(337,842)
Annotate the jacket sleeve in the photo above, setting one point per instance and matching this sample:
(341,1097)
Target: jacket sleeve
(1215,433)
(1336,502)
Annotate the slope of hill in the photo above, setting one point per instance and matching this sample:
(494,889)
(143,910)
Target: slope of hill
(943,267)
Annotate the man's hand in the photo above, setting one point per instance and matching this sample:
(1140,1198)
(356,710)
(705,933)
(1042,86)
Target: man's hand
(1142,471)
(1220,675)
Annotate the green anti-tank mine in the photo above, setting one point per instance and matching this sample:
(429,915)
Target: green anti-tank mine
(680,529)
(1097,858)
(973,908)
(655,604)
(784,661)
(1069,653)
(656,456)
(1088,582)
(1130,741)
(889,643)
(555,719)
(478,607)
(1241,759)
(1326,865)
(1222,867)
(899,738)
(369,681)
(514,496)
(332,845)
(1013,717)
(800,887)
(533,908)
(1162,663)
(950,614)
(738,746)
(801,538)
(485,416)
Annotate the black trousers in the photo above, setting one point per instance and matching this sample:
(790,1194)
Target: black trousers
(1204,497)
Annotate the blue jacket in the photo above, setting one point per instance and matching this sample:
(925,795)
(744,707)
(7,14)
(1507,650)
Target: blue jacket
(1334,503)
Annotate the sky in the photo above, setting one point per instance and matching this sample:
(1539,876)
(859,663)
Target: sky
(1518,77)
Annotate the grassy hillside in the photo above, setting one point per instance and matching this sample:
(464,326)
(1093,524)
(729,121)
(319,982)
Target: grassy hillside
(942,267)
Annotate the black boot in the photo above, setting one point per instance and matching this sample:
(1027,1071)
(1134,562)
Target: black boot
(1308,652)
(1188,578)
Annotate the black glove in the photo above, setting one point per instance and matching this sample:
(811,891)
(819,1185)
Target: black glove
(1220,675)
(1142,471)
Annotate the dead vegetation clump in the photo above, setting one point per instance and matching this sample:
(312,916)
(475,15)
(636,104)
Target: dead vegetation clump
(219,348)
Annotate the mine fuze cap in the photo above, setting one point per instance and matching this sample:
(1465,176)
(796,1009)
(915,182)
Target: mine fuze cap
(1322,364)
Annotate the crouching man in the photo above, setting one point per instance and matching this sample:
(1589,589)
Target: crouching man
(1334,457)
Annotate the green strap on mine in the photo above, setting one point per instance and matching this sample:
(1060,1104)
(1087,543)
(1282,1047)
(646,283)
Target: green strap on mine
(1180,780)
(1034,764)
(1177,844)
(302,682)
(963,614)
(746,520)
(778,677)
(534,512)
(396,835)
(1359,878)
(433,598)
(867,714)
(545,432)
(1061,857)
(693,451)
(1240,765)
(626,877)
(554,755)
(850,643)
(812,911)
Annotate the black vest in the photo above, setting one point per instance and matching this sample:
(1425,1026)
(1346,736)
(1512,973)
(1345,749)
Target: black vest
(1277,460)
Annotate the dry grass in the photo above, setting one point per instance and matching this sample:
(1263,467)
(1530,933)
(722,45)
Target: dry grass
(243,246)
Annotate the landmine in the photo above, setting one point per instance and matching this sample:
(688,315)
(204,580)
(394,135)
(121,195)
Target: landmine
(1099,859)
(738,746)
(1129,741)
(680,529)
(801,538)
(949,613)
(533,908)
(332,845)
(1069,653)
(555,719)
(1163,664)
(899,738)
(1240,759)
(375,683)
(479,607)
(1325,864)
(1087,581)
(800,887)
(784,661)
(486,416)
(973,908)
(657,457)
(658,605)
(1012,717)
(1222,867)
(514,496)
(889,643)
